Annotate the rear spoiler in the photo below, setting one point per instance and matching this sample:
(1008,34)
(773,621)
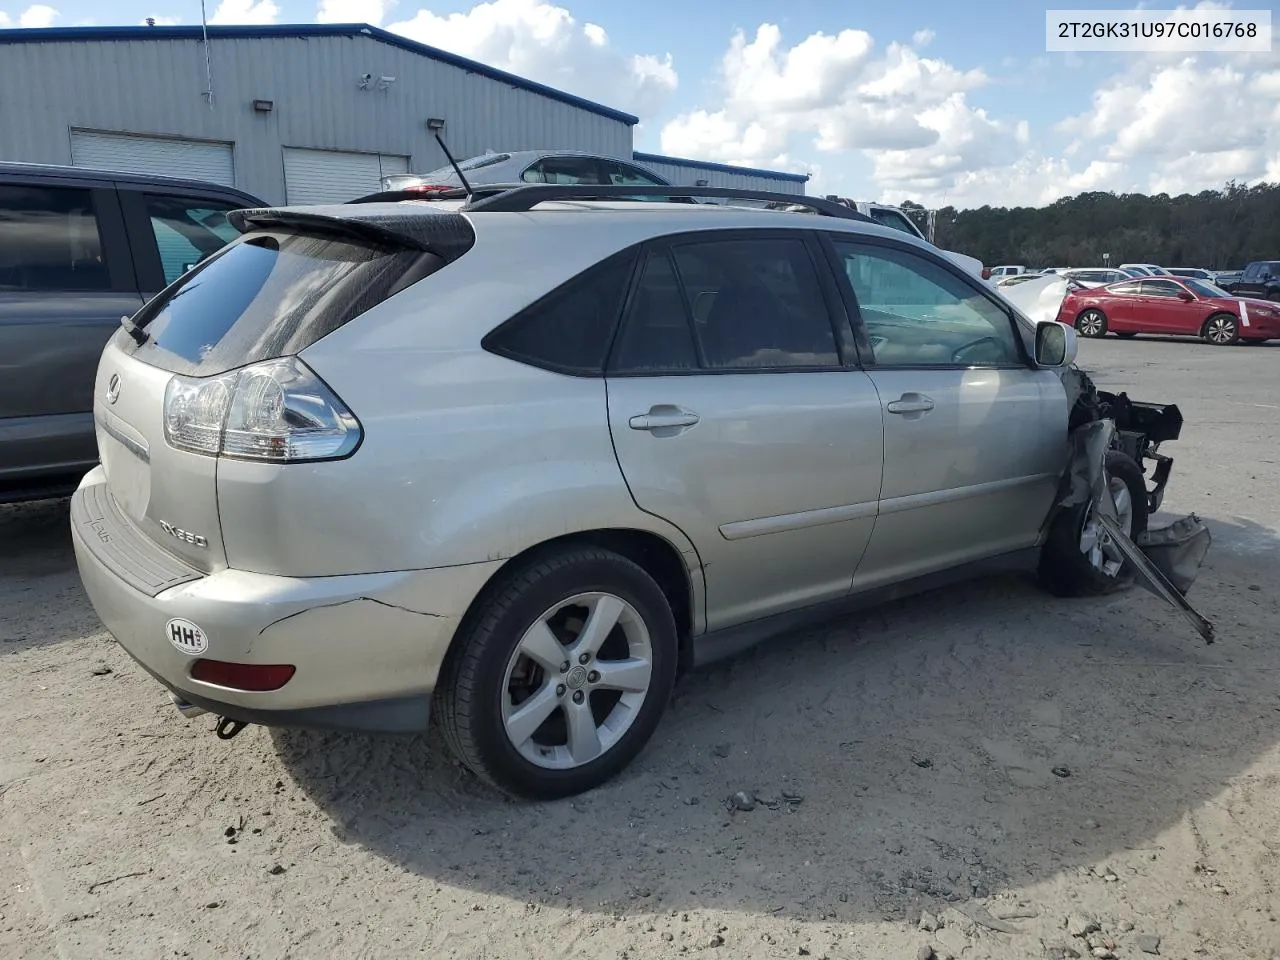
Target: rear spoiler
(446,234)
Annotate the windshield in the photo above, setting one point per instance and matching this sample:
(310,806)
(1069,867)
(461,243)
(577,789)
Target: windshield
(1202,288)
(472,163)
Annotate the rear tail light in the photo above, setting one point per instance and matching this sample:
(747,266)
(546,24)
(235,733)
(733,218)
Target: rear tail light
(254,677)
(277,411)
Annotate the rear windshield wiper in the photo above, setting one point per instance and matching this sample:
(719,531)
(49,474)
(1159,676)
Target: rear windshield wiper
(139,335)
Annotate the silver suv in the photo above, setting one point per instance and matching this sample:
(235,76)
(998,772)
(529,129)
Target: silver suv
(519,462)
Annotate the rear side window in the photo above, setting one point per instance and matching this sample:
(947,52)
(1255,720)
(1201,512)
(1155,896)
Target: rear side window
(49,241)
(569,330)
(269,295)
(1128,288)
(187,230)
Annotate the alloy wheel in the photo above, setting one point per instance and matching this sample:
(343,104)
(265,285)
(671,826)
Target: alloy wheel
(1222,330)
(1095,543)
(577,680)
(1090,323)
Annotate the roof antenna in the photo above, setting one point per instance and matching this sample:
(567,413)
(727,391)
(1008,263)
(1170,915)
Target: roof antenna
(435,126)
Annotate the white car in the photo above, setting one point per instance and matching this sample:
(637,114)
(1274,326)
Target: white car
(896,219)
(1146,269)
(1008,270)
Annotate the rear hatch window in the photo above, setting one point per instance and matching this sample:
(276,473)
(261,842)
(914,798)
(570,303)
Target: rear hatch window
(270,294)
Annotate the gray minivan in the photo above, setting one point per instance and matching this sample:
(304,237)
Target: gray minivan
(79,249)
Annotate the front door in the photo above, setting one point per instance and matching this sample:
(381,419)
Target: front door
(66,279)
(975,437)
(736,417)
(1163,311)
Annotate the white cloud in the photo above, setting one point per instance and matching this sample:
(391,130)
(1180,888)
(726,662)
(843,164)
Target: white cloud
(541,41)
(918,125)
(840,94)
(245,12)
(38,15)
(922,38)
(353,11)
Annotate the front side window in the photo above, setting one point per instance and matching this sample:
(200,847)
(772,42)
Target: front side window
(49,241)
(917,313)
(187,231)
(1160,288)
(569,170)
(728,305)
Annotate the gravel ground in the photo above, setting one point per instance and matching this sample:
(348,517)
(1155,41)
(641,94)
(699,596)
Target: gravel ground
(982,772)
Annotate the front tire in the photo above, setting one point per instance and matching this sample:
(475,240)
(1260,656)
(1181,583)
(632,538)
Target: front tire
(560,674)
(1092,323)
(1076,560)
(1221,330)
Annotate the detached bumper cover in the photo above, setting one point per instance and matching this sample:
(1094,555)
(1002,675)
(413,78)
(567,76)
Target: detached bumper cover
(367,648)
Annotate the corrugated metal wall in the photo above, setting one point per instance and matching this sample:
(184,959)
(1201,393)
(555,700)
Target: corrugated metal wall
(688,176)
(157,87)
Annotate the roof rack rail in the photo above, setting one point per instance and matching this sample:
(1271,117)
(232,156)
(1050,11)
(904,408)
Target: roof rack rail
(523,198)
(481,190)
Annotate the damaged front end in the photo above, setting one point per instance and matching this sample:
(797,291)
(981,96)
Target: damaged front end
(1165,560)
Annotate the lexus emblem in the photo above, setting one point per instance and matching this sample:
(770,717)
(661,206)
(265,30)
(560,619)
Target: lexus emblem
(113,388)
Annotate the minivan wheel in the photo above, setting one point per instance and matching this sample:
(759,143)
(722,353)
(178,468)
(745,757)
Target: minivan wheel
(562,674)
(1078,558)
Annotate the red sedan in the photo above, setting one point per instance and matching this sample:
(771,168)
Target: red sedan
(1179,306)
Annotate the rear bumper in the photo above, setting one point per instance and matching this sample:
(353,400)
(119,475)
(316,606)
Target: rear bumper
(367,647)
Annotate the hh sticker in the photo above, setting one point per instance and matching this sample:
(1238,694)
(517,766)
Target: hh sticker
(187,637)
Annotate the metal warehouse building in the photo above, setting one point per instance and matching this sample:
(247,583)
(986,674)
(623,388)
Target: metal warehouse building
(299,114)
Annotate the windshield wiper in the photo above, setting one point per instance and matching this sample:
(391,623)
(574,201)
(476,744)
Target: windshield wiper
(140,336)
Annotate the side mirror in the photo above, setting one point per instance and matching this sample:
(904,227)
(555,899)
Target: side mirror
(1055,344)
(1185,297)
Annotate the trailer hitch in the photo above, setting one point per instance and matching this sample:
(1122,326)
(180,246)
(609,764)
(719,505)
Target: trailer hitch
(228,728)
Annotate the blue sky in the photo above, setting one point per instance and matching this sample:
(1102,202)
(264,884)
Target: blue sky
(938,102)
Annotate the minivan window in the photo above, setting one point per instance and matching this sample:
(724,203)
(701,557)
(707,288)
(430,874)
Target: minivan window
(187,231)
(50,241)
(269,295)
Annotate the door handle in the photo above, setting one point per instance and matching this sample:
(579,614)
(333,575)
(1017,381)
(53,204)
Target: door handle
(663,417)
(910,403)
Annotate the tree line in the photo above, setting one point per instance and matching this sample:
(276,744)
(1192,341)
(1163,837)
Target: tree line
(1217,229)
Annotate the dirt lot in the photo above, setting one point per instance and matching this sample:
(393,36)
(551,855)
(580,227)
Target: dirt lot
(1018,767)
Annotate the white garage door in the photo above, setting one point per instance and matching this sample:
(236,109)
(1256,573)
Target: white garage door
(190,159)
(336,176)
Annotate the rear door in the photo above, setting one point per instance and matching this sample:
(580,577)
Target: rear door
(974,436)
(66,278)
(738,414)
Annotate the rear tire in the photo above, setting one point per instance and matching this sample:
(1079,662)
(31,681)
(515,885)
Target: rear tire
(591,726)
(1221,330)
(1066,569)
(1092,323)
